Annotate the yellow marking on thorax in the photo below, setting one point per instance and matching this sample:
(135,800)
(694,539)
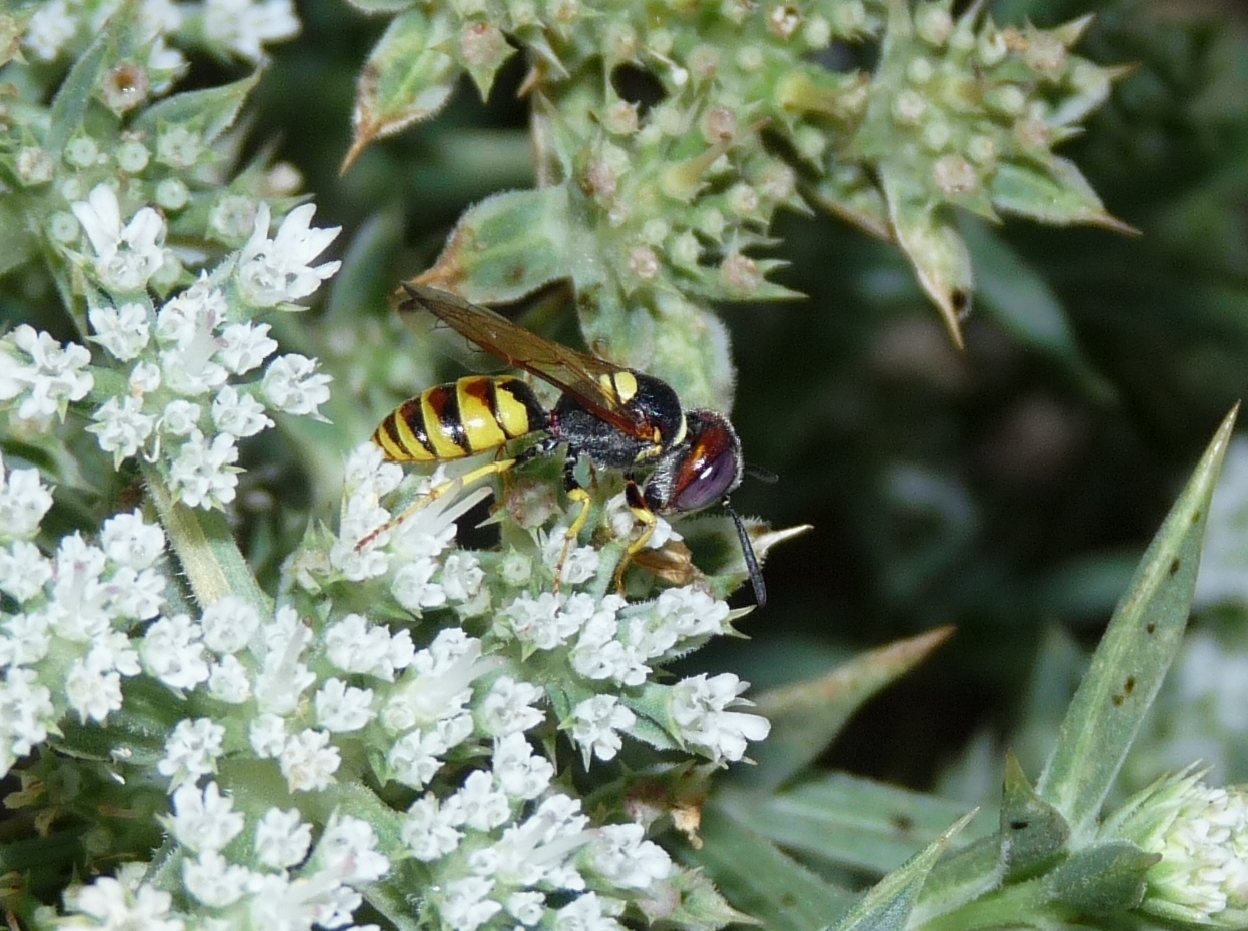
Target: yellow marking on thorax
(480,426)
(625,386)
(680,431)
(511,413)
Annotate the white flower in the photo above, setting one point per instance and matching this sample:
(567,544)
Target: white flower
(125,257)
(228,624)
(26,715)
(121,427)
(520,772)
(353,645)
(478,804)
(508,707)
(173,653)
(308,761)
(341,708)
(24,570)
(595,722)
(180,417)
(580,563)
(243,346)
(273,271)
(590,912)
(228,681)
(128,540)
(191,750)
(23,502)
(204,820)
(201,475)
(428,831)
(213,881)
(124,901)
(461,576)
(48,378)
(539,621)
(267,735)
(123,330)
(92,692)
(348,850)
(464,906)
(282,839)
(621,855)
(292,384)
(415,758)
(413,586)
(243,26)
(49,29)
(188,320)
(238,414)
(699,707)
(1201,834)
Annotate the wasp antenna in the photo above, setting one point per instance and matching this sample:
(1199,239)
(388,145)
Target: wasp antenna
(763,475)
(751,561)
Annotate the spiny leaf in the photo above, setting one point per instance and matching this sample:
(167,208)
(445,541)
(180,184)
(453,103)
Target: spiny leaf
(805,716)
(1133,656)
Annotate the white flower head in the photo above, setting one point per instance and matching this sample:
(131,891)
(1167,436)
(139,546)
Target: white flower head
(244,26)
(202,474)
(191,750)
(595,725)
(292,384)
(282,838)
(43,373)
(24,500)
(203,820)
(700,708)
(275,271)
(123,331)
(125,256)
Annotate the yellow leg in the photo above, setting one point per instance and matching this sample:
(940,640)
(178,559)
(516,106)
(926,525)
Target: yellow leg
(498,467)
(581,497)
(649,521)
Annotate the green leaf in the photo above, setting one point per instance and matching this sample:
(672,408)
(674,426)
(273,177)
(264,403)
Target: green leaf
(17,244)
(69,106)
(507,246)
(847,821)
(1133,656)
(690,900)
(211,111)
(407,78)
(887,905)
(365,279)
(758,879)
(1059,195)
(932,244)
(1011,292)
(1033,832)
(1101,880)
(806,716)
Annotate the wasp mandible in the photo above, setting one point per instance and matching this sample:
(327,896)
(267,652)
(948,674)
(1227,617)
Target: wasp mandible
(675,461)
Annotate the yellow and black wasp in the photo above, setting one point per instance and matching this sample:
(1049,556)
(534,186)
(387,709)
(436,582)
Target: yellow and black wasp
(676,461)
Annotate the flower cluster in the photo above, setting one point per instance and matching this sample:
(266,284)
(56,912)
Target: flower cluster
(1201,835)
(180,402)
(658,126)
(60,29)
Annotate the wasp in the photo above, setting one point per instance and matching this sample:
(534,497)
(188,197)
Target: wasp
(675,460)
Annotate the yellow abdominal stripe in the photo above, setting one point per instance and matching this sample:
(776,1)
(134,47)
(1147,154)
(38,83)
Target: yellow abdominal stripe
(509,412)
(481,428)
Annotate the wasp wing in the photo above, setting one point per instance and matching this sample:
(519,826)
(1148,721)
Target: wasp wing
(574,373)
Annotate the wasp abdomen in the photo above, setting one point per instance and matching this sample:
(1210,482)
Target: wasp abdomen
(476,414)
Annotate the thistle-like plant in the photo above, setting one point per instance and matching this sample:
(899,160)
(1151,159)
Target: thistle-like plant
(379,724)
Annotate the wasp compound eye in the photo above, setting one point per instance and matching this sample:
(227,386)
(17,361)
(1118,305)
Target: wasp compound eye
(712,466)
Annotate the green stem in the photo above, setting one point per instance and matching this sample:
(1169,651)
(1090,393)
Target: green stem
(205,547)
(1011,907)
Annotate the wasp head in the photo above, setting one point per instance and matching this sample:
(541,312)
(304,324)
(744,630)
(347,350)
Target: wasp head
(700,470)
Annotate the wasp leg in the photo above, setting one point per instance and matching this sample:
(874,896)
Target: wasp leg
(580,497)
(647,518)
(497,467)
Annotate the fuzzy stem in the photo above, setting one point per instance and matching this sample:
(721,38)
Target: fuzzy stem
(207,553)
